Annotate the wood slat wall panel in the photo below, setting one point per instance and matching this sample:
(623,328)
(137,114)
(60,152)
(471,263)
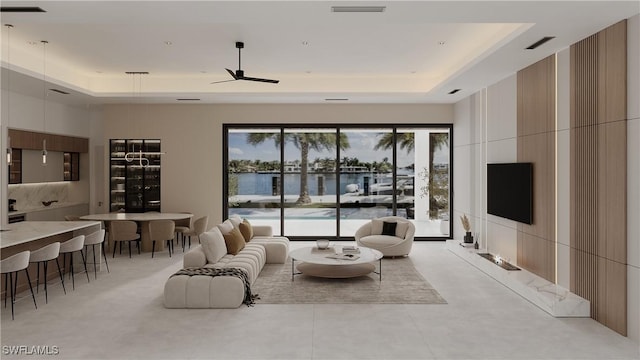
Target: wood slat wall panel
(598,174)
(536,144)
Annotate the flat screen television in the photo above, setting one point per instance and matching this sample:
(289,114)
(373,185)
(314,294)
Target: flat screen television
(510,191)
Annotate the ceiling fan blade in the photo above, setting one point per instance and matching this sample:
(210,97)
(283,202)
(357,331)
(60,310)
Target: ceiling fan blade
(233,74)
(260,80)
(223,81)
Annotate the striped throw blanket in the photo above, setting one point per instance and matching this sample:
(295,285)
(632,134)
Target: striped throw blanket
(249,299)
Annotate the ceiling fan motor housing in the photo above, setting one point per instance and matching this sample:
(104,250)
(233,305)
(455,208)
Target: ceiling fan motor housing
(239,74)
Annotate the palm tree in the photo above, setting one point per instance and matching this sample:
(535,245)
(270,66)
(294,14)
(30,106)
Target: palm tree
(303,141)
(406,141)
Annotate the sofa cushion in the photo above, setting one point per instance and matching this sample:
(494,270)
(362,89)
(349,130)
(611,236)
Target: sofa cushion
(225,227)
(235,241)
(376,226)
(246,230)
(401,229)
(389,228)
(376,241)
(214,245)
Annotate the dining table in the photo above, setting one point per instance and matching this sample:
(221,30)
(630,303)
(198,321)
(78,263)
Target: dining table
(142,219)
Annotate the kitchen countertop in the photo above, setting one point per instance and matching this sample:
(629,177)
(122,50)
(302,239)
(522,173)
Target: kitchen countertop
(55,205)
(26,231)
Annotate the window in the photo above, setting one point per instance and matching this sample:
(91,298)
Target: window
(325,181)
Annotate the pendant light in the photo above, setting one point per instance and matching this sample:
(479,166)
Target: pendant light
(44,100)
(133,155)
(9,149)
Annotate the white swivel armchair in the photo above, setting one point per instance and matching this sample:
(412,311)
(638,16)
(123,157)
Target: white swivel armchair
(391,240)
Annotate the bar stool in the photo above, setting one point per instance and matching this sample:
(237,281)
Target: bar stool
(43,256)
(161,230)
(124,230)
(76,244)
(93,240)
(199,227)
(11,266)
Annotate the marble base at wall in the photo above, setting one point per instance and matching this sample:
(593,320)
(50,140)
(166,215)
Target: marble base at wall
(553,299)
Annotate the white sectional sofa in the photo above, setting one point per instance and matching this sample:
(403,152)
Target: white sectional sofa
(204,291)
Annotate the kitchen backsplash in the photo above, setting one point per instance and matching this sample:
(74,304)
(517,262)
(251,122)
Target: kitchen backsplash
(31,196)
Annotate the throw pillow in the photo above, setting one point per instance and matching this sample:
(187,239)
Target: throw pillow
(389,228)
(235,241)
(225,227)
(376,227)
(401,229)
(235,220)
(213,245)
(246,230)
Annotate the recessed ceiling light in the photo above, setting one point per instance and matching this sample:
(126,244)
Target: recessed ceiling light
(305,43)
(98,72)
(308,71)
(168,43)
(413,71)
(33,42)
(203,72)
(442,42)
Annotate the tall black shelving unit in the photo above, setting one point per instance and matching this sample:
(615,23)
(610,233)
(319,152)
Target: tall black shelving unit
(134,185)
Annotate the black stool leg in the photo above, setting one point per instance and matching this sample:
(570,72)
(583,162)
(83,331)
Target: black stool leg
(46,294)
(73,277)
(6,285)
(84,261)
(153,248)
(61,277)
(95,269)
(129,242)
(31,288)
(114,249)
(105,257)
(12,294)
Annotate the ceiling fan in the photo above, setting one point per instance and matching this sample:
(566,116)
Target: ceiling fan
(239,74)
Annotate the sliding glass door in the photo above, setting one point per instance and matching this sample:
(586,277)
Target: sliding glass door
(325,181)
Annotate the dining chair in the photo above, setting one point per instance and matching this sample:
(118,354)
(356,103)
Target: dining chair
(198,228)
(124,230)
(161,230)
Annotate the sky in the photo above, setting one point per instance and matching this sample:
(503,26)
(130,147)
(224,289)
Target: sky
(362,143)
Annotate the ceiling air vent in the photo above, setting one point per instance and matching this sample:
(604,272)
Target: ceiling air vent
(136,72)
(358,9)
(188,99)
(540,42)
(336,99)
(21,9)
(454,91)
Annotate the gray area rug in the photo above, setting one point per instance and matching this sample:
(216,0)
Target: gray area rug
(401,284)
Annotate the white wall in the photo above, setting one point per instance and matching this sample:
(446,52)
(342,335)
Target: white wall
(191,135)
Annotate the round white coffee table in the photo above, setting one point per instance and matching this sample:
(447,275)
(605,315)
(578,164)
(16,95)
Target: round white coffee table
(319,263)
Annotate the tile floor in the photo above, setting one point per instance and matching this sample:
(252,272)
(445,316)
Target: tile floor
(120,316)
